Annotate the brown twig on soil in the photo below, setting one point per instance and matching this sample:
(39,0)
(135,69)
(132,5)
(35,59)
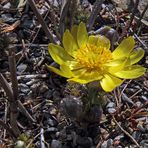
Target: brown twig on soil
(41,21)
(12,67)
(125,132)
(25,112)
(140,90)
(13,102)
(94,13)
(5,85)
(124,89)
(38,30)
(135,35)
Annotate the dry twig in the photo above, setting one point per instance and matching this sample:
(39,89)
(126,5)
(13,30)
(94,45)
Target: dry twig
(125,132)
(41,21)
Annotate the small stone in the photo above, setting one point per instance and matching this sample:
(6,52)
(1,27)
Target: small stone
(111,110)
(7,5)
(52,129)
(111,105)
(104,144)
(144,98)
(136,135)
(119,137)
(127,99)
(35,87)
(23,88)
(138,103)
(53,110)
(52,122)
(56,144)
(21,68)
(43,88)
(107,144)
(141,128)
(144,143)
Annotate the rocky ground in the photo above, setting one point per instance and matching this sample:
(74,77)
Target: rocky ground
(40,116)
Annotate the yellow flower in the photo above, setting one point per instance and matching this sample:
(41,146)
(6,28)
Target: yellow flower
(85,59)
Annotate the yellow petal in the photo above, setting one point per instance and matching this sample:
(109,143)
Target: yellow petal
(69,43)
(86,77)
(117,62)
(109,82)
(136,56)
(131,72)
(58,54)
(82,35)
(124,49)
(92,40)
(64,71)
(103,42)
(74,31)
(120,65)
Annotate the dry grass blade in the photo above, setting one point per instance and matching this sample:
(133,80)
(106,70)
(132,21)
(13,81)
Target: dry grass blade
(41,21)
(64,10)
(95,11)
(13,101)
(25,112)
(12,67)
(5,85)
(125,132)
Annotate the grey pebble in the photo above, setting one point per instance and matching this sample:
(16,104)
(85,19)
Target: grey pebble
(52,129)
(111,105)
(23,88)
(56,144)
(43,88)
(51,122)
(107,144)
(111,110)
(21,68)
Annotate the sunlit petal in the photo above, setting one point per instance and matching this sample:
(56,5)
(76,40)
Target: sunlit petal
(74,31)
(86,77)
(122,65)
(58,54)
(64,71)
(136,56)
(92,40)
(124,49)
(103,42)
(69,43)
(82,35)
(109,82)
(131,72)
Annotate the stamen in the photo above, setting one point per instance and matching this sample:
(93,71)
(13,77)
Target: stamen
(93,57)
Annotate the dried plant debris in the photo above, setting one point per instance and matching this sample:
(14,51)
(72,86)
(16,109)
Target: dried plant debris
(38,108)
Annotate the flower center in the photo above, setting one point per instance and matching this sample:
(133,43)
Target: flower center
(93,57)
